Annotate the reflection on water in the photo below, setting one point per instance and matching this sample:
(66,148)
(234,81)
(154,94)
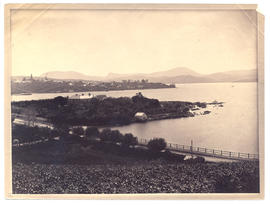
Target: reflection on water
(232,127)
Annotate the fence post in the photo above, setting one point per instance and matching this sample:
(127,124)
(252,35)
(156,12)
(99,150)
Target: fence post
(248,155)
(213,151)
(238,154)
(230,154)
(221,152)
(205,150)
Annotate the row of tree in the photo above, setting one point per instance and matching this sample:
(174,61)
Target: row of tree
(25,134)
(106,135)
(115,137)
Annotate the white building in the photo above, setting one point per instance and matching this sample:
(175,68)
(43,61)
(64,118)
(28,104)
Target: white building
(81,96)
(140,116)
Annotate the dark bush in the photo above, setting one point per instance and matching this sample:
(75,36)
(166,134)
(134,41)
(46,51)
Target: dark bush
(157,145)
(129,140)
(27,134)
(78,131)
(105,135)
(62,129)
(91,132)
(60,101)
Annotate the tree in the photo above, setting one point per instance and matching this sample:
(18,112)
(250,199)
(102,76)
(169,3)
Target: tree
(30,116)
(105,135)
(112,136)
(157,145)
(91,132)
(129,140)
(54,133)
(78,131)
(60,101)
(61,129)
(116,136)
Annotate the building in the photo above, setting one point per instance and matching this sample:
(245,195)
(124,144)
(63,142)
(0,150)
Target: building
(140,116)
(76,96)
(139,94)
(81,96)
(86,96)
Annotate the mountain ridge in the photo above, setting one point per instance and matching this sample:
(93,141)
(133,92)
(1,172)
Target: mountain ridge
(174,75)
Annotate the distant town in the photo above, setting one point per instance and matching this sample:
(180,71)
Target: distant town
(28,85)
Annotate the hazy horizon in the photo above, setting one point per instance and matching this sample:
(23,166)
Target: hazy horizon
(126,42)
(105,75)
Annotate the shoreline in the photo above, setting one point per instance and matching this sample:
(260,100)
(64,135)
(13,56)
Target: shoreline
(140,89)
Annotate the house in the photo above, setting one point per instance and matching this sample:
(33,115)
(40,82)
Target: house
(139,94)
(76,96)
(82,96)
(86,96)
(140,116)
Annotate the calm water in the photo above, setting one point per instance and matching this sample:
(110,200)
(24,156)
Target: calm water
(232,127)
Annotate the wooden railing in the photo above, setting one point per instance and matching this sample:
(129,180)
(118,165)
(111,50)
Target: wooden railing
(206,151)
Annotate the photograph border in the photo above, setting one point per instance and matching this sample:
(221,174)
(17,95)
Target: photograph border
(194,196)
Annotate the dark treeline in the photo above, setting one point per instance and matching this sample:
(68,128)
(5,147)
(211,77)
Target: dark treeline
(22,134)
(96,112)
(75,145)
(25,134)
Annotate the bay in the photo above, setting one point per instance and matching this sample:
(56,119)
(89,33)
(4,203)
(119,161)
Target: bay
(232,127)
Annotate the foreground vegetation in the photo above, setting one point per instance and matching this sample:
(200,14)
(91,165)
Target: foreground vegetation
(141,177)
(110,162)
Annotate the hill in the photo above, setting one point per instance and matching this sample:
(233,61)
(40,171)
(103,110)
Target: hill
(175,75)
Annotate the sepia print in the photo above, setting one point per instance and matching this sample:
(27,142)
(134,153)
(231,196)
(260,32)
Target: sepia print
(133,101)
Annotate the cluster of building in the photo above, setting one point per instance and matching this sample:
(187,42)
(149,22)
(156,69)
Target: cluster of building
(87,96)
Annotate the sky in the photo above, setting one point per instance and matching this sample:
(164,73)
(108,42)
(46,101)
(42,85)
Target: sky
(131,41)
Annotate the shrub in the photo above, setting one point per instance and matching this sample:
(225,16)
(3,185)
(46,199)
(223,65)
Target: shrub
(78,131)
(157,145)
(72,138)
(27,134)
(115,136)
(91,132)
(60,101)
(105,135)
(129,140)
(62,129)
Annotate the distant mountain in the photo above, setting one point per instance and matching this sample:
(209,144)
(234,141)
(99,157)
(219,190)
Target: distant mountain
(175,75)
(234,75)
(175,72)
(156,76)
(183,79)
(69,75)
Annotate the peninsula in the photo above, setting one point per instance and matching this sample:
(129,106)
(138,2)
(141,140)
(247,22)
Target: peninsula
(102,112)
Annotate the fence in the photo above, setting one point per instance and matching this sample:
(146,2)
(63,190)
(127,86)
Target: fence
(206,151)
